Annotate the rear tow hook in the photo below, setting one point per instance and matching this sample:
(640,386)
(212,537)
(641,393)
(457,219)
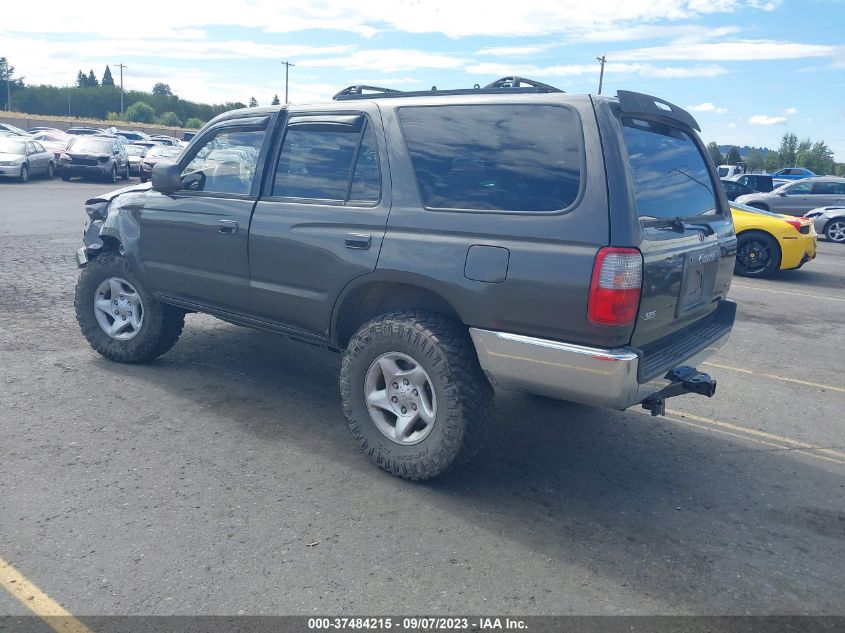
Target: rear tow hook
(682,380)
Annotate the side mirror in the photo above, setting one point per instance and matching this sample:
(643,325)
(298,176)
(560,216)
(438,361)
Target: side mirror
(781,193)
(167,177)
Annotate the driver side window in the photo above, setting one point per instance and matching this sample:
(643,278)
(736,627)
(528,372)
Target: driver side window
(225,162)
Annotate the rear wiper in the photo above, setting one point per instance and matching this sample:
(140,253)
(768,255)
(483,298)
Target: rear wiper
(676,224)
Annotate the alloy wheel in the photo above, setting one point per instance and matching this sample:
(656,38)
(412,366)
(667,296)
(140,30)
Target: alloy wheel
(118,308)
(400,398)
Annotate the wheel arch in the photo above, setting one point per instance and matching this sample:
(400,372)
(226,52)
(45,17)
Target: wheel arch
(366,298)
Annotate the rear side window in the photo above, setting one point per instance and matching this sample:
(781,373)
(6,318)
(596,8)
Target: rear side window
(670,174)
(524,158)
(829,188)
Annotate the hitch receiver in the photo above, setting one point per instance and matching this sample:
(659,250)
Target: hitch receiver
(683,380)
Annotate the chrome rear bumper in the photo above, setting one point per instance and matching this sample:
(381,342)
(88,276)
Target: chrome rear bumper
(587,375)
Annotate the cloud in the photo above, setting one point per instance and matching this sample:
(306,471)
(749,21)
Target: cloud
(387,60)
(462,18)
(611,69)
(764,119)
(739,50)
(512,51)
(706,107)
(790,111)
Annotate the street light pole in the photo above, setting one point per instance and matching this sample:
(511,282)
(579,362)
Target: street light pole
(287,66)
(121,66)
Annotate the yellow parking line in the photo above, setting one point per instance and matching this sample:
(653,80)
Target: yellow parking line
(751,439)
(776,377)
(42,605)
(785,292)
(762,436)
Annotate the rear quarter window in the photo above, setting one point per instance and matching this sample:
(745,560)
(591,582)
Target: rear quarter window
(506,158)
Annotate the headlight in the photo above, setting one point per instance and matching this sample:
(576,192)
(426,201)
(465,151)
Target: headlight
(98,209)
(66,158)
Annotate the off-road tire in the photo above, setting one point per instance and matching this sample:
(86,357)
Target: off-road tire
(159,331)
(464,395)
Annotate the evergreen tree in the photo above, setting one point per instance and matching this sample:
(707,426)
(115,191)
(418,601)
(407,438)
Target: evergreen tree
(92,79)
(275,100)
(715,154)
(108,80)
(81,80)
(788,151)
(733,156)
(253,103)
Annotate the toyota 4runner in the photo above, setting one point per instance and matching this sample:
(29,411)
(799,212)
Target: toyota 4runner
(447,243)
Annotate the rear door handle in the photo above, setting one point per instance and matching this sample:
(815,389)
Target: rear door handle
(229,227)
(358,240)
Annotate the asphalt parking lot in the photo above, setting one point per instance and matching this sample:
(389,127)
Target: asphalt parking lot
(221,479)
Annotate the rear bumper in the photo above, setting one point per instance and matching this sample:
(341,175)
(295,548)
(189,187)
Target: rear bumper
(594,376)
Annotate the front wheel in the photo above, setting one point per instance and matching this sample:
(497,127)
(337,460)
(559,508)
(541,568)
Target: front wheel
(757,254)
(126,172)
(113,174)
(118,317)
(50,170)
(413,393)
(24,176)
(835,231)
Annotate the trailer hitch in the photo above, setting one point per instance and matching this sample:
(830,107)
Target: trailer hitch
(682,380)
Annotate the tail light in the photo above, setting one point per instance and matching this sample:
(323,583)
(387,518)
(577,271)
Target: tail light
(615,287)
(796,224)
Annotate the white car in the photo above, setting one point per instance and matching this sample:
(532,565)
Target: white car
(830,222)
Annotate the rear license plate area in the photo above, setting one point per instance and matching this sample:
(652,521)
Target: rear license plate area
(699,280)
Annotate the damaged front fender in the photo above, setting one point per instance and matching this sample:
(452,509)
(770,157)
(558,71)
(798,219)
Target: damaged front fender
(119,229)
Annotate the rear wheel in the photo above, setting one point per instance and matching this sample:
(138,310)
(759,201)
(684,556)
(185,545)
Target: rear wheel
(118,317)
(126,172)
(413,393)
(835,230)
(757,254)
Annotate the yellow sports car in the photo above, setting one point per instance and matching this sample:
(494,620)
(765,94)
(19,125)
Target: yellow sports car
(767,242)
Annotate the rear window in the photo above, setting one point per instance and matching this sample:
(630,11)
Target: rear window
(670,174)
(524,158)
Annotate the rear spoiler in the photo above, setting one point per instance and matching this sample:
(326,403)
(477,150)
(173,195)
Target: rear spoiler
(636,103)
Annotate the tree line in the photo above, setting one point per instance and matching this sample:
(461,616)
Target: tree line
(813,155)
(99,98)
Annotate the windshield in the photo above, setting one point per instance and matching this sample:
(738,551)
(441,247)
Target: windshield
(93,145)
(670,175)
(136,150)
(12,146)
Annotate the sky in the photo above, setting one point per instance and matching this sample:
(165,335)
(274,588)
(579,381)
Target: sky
(749,70)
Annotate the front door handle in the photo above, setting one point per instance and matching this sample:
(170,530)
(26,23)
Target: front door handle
(358,240)
(229,227)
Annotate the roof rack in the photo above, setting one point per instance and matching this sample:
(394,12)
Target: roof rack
(518,85)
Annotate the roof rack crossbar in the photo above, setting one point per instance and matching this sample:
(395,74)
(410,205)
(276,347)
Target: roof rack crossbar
(517,82)
(360,89)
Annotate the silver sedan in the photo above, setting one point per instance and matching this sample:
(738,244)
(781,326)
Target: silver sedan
(21,158)
(830,222)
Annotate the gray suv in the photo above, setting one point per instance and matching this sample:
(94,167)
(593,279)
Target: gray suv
(447,244)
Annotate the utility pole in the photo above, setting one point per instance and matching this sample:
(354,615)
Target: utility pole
(601,59)
(121,66)
(287,66)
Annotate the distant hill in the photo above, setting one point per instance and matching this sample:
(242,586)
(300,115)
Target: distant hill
(745,150)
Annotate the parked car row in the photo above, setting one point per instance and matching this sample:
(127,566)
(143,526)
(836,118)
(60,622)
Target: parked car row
(83,152)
